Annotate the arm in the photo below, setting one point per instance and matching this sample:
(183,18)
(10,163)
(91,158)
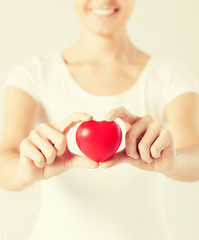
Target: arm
(183,117)
(20,116)
(149,146)
(28,156)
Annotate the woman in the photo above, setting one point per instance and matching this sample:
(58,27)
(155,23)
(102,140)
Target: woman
(103,76)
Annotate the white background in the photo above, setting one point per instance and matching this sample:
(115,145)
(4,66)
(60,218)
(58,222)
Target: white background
(163,28)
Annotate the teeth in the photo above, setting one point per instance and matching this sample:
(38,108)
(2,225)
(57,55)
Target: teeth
(103,12)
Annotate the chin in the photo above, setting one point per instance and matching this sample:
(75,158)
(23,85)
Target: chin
(106,34)
(103,32)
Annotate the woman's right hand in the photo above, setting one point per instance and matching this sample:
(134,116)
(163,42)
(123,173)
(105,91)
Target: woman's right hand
(45,153)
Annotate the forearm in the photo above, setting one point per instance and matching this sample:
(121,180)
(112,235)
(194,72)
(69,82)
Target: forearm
(187,167)
(9,178)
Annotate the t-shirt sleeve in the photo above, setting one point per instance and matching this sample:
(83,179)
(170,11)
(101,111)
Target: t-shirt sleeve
(181,80)
(25,76)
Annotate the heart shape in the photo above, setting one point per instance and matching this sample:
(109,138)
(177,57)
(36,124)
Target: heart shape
(99,140)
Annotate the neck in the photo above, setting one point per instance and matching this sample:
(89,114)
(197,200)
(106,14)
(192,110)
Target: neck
(97,48)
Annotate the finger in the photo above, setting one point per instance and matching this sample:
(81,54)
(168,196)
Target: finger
(121,157)
(80,161)
(144,146)
(30,151)
(76,117)
(123,114)
(55,137)
(163,141)
(117,158)
(66,162)
(134,136)
(44,146)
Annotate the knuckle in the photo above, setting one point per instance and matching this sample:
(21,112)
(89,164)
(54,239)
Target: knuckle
(84,114)
(127,151)
(155,125)
(39,159)
(128,135)
(130,152)
(121,108)
(33,133)
(24,144)
(74,115)
(166,132)
(51,153)
(61,141)
(155,149)
(148,118)
(42,126)
(142,146)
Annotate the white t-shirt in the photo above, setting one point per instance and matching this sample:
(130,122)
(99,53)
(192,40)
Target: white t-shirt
(121,202)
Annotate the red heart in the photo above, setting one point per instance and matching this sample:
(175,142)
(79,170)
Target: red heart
(99,140)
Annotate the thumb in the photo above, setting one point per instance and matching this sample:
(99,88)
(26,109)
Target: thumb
(65,125)
(81,162)
(117,158)
(121,112)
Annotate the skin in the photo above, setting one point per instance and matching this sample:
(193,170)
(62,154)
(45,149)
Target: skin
(28,155)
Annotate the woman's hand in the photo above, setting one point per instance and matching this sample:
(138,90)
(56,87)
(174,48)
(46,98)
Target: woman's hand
(148,145)
(44,153)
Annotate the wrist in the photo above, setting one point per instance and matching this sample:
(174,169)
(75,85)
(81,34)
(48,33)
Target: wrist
(184,170)
(173,171)
(22,181)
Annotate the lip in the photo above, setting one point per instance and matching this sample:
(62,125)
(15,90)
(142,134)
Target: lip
(103,7)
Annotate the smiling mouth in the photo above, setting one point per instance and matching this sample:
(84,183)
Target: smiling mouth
(104,12)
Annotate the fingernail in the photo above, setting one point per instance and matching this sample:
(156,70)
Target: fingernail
(108,119)
(88,117)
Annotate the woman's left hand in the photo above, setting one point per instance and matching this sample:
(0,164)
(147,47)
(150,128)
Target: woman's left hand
(148,145)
